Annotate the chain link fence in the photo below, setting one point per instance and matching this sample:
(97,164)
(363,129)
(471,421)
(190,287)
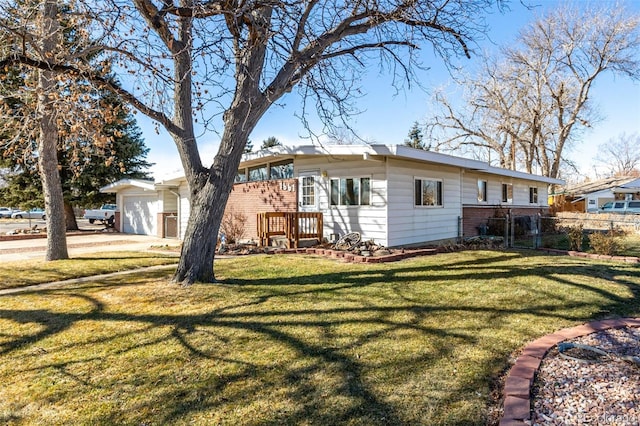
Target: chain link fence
(537,231)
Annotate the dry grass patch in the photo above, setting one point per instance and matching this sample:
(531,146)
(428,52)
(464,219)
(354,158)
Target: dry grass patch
(294,340)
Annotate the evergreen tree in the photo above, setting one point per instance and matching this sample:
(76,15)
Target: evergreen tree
(270,142)
(88,131)
(82,172)
(415,138)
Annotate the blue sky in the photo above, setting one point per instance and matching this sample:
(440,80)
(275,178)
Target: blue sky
(387,115)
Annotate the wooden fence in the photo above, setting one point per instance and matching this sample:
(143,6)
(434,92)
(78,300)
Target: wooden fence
(293,226)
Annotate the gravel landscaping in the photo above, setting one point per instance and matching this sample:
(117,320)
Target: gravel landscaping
(590,389)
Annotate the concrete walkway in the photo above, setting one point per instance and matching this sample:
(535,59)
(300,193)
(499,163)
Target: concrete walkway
(91,242)
(60,284)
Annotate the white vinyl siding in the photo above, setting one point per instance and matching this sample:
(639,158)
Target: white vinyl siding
(369,220)
(411,224)
(519,190)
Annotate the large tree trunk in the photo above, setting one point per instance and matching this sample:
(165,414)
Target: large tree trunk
(70,217)
(209,194)
(48,141)
(209,188)
(198,248)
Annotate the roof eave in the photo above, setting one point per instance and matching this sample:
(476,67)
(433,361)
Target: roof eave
(125,183)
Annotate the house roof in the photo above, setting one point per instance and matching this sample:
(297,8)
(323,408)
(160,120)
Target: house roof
(369,152)
(374,152)
(617,184)
(126,183)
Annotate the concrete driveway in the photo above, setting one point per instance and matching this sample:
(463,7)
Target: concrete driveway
(90,242)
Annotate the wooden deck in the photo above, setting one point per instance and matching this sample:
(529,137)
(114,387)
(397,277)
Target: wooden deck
(294,226)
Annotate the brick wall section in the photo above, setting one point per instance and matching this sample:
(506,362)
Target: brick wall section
(116,222)
(475,216)
(252,198)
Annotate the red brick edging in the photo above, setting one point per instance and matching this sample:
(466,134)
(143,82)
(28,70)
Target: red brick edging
(572,253)
(517,387)
(353,258)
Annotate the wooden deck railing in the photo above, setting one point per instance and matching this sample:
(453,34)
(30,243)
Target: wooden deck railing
(293,226)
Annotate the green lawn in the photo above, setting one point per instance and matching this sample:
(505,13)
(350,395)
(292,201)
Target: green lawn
(21,273)
(295,340)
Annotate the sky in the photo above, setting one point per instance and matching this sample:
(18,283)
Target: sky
(387,115)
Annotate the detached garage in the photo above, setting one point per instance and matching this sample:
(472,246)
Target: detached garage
(145,208)
(138,215)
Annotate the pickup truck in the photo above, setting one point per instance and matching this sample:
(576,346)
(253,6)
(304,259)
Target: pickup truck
(106,214)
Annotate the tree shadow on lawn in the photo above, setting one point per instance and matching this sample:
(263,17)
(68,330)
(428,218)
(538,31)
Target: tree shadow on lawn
(442,277)
(329,361)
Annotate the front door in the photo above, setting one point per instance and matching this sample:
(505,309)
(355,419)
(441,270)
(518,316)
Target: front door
(308,193)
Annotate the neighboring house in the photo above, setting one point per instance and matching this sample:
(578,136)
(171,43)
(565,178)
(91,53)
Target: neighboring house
(394,195)
(591,196)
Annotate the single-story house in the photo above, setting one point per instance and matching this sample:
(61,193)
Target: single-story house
(392,194)
(590,196)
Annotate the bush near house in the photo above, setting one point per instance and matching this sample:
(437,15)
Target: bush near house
(233,225)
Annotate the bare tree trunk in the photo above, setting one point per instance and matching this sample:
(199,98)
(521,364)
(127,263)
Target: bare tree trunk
(209,189)
(48,141)
(209,195)
(70,217)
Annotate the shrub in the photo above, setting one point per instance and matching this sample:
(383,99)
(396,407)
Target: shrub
(575,235)
(608,243)
(233,225)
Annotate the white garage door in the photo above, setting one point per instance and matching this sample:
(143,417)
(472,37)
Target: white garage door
(139,215)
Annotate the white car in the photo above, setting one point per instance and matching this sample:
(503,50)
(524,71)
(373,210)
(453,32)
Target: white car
(622,206)
(5,212)
(36,213)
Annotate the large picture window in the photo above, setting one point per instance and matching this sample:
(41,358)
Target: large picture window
(351,192)
(428,192)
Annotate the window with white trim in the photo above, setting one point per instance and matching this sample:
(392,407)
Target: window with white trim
(428,192)
(482,191)
(351,191)
(533,195)
(507,193)
(308,191)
